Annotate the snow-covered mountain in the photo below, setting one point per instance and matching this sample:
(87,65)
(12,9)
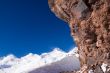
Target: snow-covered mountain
(69,63)
(52,62)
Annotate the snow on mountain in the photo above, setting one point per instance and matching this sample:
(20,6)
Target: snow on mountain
(69,63)
(74,52)
(56,61)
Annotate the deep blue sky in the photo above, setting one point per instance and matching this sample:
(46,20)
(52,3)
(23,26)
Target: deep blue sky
(29,26)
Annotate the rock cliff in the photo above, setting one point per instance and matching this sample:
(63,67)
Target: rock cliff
(89,21)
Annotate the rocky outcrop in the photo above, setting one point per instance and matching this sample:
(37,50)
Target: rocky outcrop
(89,21)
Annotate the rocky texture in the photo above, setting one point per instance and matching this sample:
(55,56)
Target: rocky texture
(89,21)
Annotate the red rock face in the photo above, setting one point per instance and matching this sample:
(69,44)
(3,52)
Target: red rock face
(89,21)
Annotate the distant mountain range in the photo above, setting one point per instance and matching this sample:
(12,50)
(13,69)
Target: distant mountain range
(52,62)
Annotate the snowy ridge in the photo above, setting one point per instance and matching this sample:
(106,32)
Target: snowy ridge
(31,62)
(68,63)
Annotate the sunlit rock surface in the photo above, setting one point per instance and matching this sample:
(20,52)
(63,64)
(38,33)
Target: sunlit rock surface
(89,21)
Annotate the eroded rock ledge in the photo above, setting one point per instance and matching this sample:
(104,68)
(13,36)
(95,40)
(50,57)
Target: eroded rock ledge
(89,21)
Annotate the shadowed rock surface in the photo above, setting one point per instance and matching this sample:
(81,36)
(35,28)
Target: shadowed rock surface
(89,21)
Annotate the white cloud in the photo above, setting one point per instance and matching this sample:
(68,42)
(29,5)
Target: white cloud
(31,62)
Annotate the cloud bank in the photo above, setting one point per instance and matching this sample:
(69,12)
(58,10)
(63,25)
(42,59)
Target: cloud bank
(33,63)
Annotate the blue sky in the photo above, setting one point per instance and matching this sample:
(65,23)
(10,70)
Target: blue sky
(29,26)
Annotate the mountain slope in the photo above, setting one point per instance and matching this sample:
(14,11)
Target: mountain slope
(56,61)
(68,63)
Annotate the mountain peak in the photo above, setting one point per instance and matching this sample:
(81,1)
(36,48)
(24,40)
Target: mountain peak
(31,62)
